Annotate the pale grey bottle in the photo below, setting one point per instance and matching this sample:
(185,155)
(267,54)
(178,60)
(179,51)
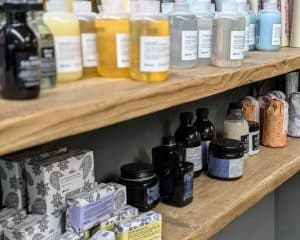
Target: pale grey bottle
(184,36)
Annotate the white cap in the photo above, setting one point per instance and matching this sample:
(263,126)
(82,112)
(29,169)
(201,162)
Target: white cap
(80,6)
(149,6)
(56,6)
(112,6)
(200,6)
(270,5)
(229,7)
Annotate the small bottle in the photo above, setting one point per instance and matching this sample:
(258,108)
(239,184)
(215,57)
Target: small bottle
(229,37)
(19,55)
(202,9)
(184,36)
(166,6)
(150,44)
(83,11)
(190,138)
(46,45)
(112,30)
(268,33)
(66,32)
(243,9)
(236,127)
(207,131)
(252,29)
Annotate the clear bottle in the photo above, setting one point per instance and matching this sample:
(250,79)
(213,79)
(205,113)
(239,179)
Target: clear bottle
(243,9)
(229,37)
(150,44)
(112,30)
(46,45)
(83,11)
(66,32)
(236,127)
(184,36)
(202,9)
(252,29)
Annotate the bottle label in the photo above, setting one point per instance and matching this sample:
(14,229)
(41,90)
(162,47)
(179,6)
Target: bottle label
(276,36)
(205,43)
(226,168)
(89,49)
(237,45)
(194,155)
(48,62)
(68,55)
(153,194)
(155,54)
(167,8)
(247,39)
(122,41)
(205,152)
(245,141)
(189,45)
(188,186)
(255,142)
(252,34)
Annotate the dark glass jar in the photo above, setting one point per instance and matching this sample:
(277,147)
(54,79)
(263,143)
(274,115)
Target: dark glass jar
(207,131)
(142,185)
(175,175)
(226,159)
(190,138)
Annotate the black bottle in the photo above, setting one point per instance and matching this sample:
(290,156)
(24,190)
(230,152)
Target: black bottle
(175,175)
(19,58)
(190,138)
(207,132)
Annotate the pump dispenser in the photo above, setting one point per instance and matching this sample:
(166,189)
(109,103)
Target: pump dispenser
(112,31)
(65,29)
(184,36)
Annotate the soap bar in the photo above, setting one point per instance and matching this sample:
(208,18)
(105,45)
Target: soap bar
(103,235)
(119,195)
(52,177)
(251,109)
(148,225)
(68,236)
(87,209)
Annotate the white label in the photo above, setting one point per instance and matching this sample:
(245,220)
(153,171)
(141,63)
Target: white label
(89,49)
(189,45)
(68,54)
(155,54)
(71,182)
(276,36)
(236,168)
(237,45)
(167,7)
(247,39)
(194,155)
(252,34)
(122,41)
(205,43)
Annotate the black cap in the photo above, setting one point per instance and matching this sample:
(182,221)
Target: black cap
(253,126)
(15,5)
(235,105)
(227,148)
(135,171)
(202,112)
(169,141)
(186,117)
(35,6)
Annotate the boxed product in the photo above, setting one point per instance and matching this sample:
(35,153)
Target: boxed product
(120,195)
(103,235)
(51,177)
(147,225)
(68,236)
(88,208)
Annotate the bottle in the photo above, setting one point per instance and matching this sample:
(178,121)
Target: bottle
(236,127)
(207,131)
(83,12)
(175,175)
(46,45)
(166,6)
(243,9)
(68,5)
(112,30)
(268,33)
(65,29)
(184,36)
(252,29)
(190,138)
(2,15)
(229,37)
(19,60)
(202,9)
(150,44)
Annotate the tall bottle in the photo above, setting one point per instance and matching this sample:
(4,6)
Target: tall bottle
(243,9)
(66,32)
(83,11)
(150,44)
(207,131)
(112,30)
(184,36)
(46,45)
(190,138)
(202,9)
(252,29)
(19,56)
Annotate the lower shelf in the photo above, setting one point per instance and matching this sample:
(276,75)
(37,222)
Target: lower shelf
(217,203)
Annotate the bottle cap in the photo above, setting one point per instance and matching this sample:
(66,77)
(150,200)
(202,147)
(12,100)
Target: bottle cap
(82,6)
(35,6)
(112,6)
(200,6)
(56,6)
(270,5)
(230,6)
(133,6)
(236,105)
(16,5)
(187,117)
(150,6)
(202,112)
(181,5)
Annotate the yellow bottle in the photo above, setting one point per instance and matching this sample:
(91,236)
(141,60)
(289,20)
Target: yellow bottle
(150,44)
(112,30)
(65,29)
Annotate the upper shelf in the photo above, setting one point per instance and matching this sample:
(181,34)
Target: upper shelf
(89,104)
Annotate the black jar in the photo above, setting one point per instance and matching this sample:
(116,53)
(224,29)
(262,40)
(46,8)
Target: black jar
(142,185)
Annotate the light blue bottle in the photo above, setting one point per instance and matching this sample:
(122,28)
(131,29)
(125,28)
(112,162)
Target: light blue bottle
(268,33)
(252,29)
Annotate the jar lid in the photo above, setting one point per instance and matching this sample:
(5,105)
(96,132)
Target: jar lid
(235,105)
(253,126)
(136,171)
(227,148)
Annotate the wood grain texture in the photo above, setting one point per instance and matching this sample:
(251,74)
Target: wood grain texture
(217,203)
(94,103)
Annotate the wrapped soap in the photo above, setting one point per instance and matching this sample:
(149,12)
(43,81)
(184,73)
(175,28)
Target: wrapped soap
(279,94)
(119,195)
(103,235)
(251,109)
(89,208)
(68,236)
(294,115)
(52,177)
(147,225)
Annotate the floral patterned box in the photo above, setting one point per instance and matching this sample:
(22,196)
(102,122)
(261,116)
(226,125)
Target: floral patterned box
(51,178)
(148,225)
(68,236)
(103,235)
(87,209)
(120,195)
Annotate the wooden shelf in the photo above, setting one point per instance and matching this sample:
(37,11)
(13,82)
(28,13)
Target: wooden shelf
(217,203)
(90,104)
